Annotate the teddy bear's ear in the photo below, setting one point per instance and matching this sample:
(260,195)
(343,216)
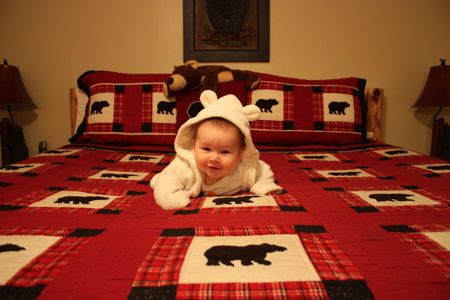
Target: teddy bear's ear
(208,97)
(251,112)
(192,63)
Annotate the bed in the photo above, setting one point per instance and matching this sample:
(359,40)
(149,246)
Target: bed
(357,218)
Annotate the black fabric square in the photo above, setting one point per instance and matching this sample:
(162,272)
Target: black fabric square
(187,212)
(146,127)
(178,232)
(309,229)
(292,208)
(398,228)
(288,88)
(119,88)
(16,292)
(347,289)
(358,127)
(117,127)
(288,125)
(85,232)
(317,89)
(147,88)
(319,125)
(365,209)
(160,292)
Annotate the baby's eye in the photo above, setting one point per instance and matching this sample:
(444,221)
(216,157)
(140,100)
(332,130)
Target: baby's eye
(206,149)
(226,152)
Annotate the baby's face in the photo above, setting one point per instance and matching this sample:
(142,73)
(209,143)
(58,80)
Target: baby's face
(217,151)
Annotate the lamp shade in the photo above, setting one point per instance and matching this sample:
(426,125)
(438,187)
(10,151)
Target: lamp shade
(437,87)
(12,91)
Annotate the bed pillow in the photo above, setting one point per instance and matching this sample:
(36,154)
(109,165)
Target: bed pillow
(125,109)
(298,111)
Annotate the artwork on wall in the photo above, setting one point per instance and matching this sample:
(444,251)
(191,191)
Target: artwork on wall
(232,30)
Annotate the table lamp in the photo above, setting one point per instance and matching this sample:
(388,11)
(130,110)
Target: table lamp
(13,95)
(437,93)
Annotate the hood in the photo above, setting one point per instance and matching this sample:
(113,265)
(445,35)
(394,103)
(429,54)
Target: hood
(227,107)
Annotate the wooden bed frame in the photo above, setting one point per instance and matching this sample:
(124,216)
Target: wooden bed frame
(374,98)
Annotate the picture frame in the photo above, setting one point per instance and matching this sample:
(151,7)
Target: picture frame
(245,40)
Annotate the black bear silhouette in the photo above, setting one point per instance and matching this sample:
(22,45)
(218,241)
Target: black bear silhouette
(246,254)
(115,175)
(166,107)
(237,200)
(439,168)
(10,247)
(15,168)
(337,107)
(347,173)
(314,156)
(97,106)
(140,157)
(396,152)
(79,199)
(265,105)
(391,197)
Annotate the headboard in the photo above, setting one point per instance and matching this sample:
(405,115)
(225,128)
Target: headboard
(374,98)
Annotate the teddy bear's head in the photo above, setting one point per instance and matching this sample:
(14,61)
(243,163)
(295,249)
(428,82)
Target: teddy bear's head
(183,77)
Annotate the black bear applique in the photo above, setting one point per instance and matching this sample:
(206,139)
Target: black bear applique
(140,157)
(265,105)
(79,199)
(115,175)
(246,254)
(347,173)
(314,156)
(337,107)
(10,248)
(439,168)
(97,106)
(236,200)
(166,107)
(391,197)
(15,168)
(396,152)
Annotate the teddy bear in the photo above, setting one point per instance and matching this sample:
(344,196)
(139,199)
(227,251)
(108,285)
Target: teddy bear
(192,76)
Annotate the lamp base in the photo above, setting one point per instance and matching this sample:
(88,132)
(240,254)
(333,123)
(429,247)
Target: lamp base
(14,148)
(440,141)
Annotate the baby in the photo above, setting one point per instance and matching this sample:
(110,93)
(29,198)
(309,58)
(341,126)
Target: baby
(215,155)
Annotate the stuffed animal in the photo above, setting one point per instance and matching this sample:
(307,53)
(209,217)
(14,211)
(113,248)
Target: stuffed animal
(192,76)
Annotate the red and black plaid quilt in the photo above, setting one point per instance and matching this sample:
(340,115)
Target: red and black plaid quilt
(367,221)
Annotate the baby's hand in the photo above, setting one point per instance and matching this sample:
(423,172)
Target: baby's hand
(179,199)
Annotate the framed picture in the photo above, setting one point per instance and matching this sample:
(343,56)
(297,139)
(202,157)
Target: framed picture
(232,30)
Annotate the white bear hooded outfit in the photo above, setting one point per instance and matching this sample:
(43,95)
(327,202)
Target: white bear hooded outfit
(182,180)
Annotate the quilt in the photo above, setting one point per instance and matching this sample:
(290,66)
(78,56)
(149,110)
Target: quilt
(360,221)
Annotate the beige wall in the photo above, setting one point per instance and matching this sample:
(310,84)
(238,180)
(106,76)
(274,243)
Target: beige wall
(392,43)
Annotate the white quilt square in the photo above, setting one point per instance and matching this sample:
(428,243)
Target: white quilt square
(271,104)
(75,199)
(394,198)
(18,250)
(394,152)
(338,107)
(258,258)
(440,237)
(347,173)
(436,168)
(163,109)
(317,157)
(102,108)
(19,168)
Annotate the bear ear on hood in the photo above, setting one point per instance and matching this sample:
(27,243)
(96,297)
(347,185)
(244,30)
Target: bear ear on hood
(208,97)
(251,112)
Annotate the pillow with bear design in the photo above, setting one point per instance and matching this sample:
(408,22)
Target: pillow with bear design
(299,111)
(126,109)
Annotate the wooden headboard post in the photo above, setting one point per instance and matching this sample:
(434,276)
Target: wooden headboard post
(374,98)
